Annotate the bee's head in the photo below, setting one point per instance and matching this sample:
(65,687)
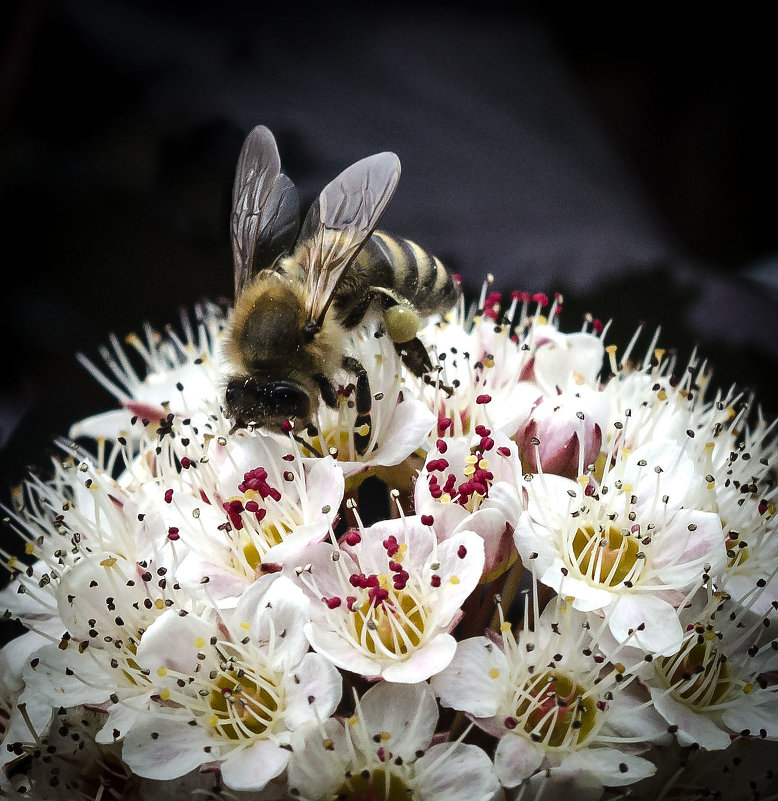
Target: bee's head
(252,401)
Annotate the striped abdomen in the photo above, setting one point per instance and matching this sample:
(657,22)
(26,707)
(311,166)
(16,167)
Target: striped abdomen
(403,270)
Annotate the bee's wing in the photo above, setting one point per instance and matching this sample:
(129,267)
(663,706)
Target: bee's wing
(339,223)
(265,207)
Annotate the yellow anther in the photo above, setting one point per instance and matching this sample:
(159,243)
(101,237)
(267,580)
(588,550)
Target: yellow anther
(109,562)
(162,671)
(199,642)
(494,673)
(454,580)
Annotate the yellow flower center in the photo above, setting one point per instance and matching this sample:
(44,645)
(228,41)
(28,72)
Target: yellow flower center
(554,709)
(606,557)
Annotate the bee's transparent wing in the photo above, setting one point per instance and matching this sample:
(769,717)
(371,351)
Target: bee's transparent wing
(265,208)
(339,223)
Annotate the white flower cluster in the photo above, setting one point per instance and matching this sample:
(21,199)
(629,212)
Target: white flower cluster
(552,571)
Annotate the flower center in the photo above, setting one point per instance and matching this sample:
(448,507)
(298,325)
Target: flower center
(606,557)
(376,785)
(395,623)
(698,675)
(554,709)
(243,705)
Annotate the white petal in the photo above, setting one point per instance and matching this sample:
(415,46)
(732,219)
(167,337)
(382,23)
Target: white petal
(461,560)
(108,425)
(408,713)
(121,718)
(68,678)
(756,717)
(661,634)
(424,662)
(338,650)
(411,422)
(516,758)
(251,768)
(465,774)
(313,690)
(172,641)
(609,766)
(472,682)
(275,609)
(166,747)
(692,727)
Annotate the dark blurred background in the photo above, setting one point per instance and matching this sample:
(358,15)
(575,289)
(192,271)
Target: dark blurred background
(628,163)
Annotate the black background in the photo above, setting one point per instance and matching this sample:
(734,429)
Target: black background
(627,162)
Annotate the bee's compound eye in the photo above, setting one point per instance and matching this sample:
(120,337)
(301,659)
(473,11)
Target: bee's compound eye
(401,323)
(287,399)
(231,393)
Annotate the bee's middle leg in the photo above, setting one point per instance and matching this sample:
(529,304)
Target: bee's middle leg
(364,403)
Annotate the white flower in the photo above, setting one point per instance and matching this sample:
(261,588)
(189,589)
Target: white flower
(183,374)
(631,547)
(473,487)
(551,702)
(477,381)
(107,604)
(712,689)
(384,751)
(233,689)
(24,714)
(238,505)
(385,600)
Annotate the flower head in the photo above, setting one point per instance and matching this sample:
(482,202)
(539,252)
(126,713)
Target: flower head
(385,599)
(384,750)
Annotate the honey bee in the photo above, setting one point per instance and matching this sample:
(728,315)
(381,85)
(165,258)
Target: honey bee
(298,294)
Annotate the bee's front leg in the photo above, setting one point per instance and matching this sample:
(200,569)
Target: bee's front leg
(326,390)
(364,403)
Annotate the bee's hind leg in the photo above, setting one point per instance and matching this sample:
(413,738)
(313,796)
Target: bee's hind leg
(364,402)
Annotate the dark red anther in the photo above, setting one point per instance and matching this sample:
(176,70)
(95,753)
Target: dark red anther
(353,538)
(391,545)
